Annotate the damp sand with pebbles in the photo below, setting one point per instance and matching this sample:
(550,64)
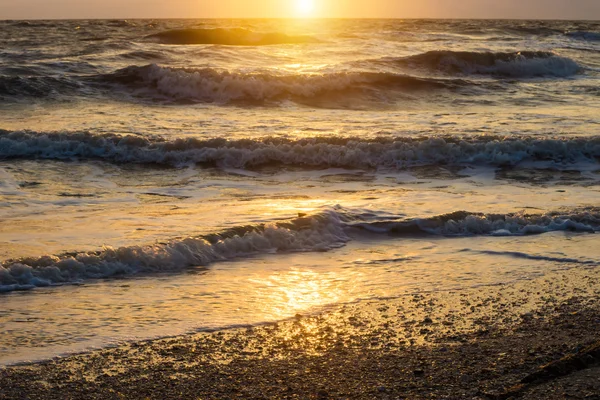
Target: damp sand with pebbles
(532,339)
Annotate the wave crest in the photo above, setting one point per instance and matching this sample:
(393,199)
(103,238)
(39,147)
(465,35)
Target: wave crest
(320,232)
(524,64)
(584,35)
(315,233)
(37,86)
(229,37)
(352,152)
(463,223)
(212,85)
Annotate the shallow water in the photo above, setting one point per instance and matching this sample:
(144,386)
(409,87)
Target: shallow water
(151,187)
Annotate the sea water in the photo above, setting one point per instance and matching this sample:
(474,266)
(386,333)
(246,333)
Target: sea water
(163,177)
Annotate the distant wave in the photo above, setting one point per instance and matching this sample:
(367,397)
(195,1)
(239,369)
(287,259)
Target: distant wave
(229,37)
(312,152)
(95,39)
(535,30)
(208,85)
(143,55)
(212,85)
(584,35)
(37,86)
(362,84)
(524,64)
(319,232)
(30,24)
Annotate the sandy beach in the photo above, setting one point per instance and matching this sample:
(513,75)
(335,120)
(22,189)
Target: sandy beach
(531,339)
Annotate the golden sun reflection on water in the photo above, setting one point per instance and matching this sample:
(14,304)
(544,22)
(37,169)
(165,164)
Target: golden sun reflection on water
(290,208)
(296,291)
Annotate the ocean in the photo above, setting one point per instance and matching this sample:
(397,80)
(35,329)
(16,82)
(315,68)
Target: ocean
(162,177)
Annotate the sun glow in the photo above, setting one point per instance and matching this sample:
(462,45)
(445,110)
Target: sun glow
(305,7)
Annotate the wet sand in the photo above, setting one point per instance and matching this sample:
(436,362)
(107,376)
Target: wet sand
(533,339)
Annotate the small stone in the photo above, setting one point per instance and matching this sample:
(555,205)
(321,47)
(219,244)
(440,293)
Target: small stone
(382,389)
(428,321)
(528,315)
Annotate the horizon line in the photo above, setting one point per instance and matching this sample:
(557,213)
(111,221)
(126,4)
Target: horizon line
(302,18)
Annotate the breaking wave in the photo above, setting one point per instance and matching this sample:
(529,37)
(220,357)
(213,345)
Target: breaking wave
(320,232)
(212,85)
(229,37)
(349,152)
(463,223)
(524,64)
(314,233)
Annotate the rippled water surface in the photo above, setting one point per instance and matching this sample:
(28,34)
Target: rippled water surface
(160,177)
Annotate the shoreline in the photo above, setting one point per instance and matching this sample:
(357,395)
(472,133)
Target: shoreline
(477,343)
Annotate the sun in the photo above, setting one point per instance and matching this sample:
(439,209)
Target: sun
(305,7)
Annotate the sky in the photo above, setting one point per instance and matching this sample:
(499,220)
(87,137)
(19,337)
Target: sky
(534,9)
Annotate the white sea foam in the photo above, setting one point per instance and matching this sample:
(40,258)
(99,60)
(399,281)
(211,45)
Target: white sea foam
(320,232)
(317,233)
(463,223)
(222,86)
(324,151)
